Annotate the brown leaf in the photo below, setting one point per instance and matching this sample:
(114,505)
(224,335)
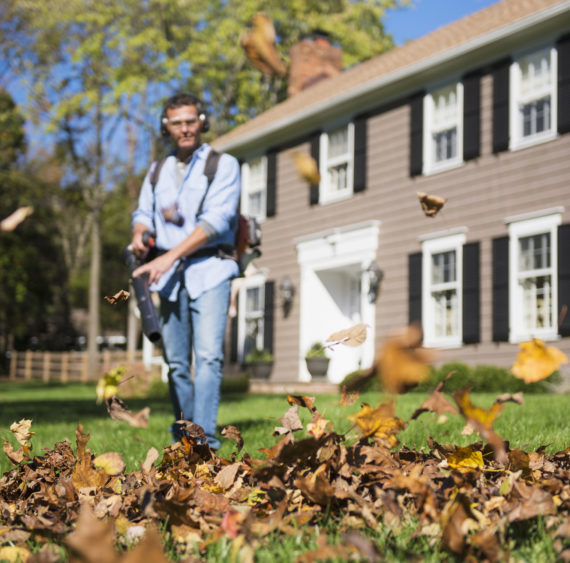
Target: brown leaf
(15,456)
(15,218)
(151,457)
(302,401)
(437,403)
(291,422)
(431,204)
(307,167)
(148,549)
(402,362)
(514,398)
(316,486)
(453,523)
(532,501)
(353,336)
(233,433)
(227,476)
(191,430)
(21,431)
(318,426)
(537,361)
(84,474)
(259,45)
(118,411)
(120,296)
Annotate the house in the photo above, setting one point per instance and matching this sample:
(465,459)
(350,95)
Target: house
(478,113)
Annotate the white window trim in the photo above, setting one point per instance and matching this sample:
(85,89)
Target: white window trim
(255,280)
(524,228)
(516,140)
(429,247)
(245,175)
(325,195)
(430,166)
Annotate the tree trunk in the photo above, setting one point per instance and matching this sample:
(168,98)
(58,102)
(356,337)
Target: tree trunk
(94,290)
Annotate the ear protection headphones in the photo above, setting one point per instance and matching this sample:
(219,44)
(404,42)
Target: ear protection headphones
(180,100)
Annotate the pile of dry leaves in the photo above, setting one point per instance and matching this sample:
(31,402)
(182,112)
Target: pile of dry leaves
(464,498)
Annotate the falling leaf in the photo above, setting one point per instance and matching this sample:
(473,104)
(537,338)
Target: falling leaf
(14,554)
(191,430)
(291,422)
(21,431)
(118,411)
(348,398)
(402,362)
(437,403)
(307,167)
(511,397)
(465,459)
(302,401)
(353,336)
(318,426)
(108,385)
(14,219)
(482,420)
(379,422)
(537,361)
(15,456)
(431,204)
(120,296)
(110,462)
(259,45)
(233,433)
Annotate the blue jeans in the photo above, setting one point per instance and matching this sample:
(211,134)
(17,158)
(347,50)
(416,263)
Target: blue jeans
(196,326)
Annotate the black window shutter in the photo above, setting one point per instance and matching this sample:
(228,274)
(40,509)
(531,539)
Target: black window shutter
(416,133)
(271,203)
(501,289)
(563,47)
(360,139)
(501,106)
(233,340)
(471,294)
(268,316)
(415,287)
(314,189)
(471,115)
(564,278)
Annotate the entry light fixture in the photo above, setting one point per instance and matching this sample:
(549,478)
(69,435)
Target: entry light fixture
(375,276)
(286,292)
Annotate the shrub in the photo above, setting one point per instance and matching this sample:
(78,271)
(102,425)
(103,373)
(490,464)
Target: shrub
(259,356)
(359,380)
(316,350)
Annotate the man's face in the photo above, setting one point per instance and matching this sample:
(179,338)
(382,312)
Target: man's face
(184,127)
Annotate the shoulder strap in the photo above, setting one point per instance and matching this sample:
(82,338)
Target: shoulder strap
(156,173)
(210,169)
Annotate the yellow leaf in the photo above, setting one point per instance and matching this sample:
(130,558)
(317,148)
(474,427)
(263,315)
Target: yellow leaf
(14,554)
(431,204)
(318,426)
(307,167)
(108,385)
(379,422)
(465,459)
(112,463)
(537,361)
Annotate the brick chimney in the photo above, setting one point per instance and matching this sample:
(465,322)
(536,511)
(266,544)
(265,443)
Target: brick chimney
(311,60)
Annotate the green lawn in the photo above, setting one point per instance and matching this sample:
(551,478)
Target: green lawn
(56,410)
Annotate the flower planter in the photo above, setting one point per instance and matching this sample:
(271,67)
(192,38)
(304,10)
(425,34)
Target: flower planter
(318,367)
(260,370)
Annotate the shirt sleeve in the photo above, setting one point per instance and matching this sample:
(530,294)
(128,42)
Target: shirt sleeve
(144,212)
(221,203)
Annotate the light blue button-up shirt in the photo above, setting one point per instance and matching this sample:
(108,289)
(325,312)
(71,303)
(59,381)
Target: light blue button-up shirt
(218,218)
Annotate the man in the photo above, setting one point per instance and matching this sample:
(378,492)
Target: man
(193,282)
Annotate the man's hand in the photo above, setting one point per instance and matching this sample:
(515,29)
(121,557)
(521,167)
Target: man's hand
(156,268)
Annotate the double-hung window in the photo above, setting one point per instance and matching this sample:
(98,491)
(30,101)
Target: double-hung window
(442,267)
(254,187)
(533,98)
(443,128)
(533,286)
(251,318)
(337,163)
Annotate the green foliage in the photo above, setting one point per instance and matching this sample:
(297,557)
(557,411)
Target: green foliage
(12,139)
(482,378)
(359,379)
(316,350)
(259,356)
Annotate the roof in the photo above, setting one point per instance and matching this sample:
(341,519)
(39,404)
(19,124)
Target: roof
(494,23)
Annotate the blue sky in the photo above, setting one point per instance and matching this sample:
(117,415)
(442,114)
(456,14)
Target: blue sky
(427,15)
